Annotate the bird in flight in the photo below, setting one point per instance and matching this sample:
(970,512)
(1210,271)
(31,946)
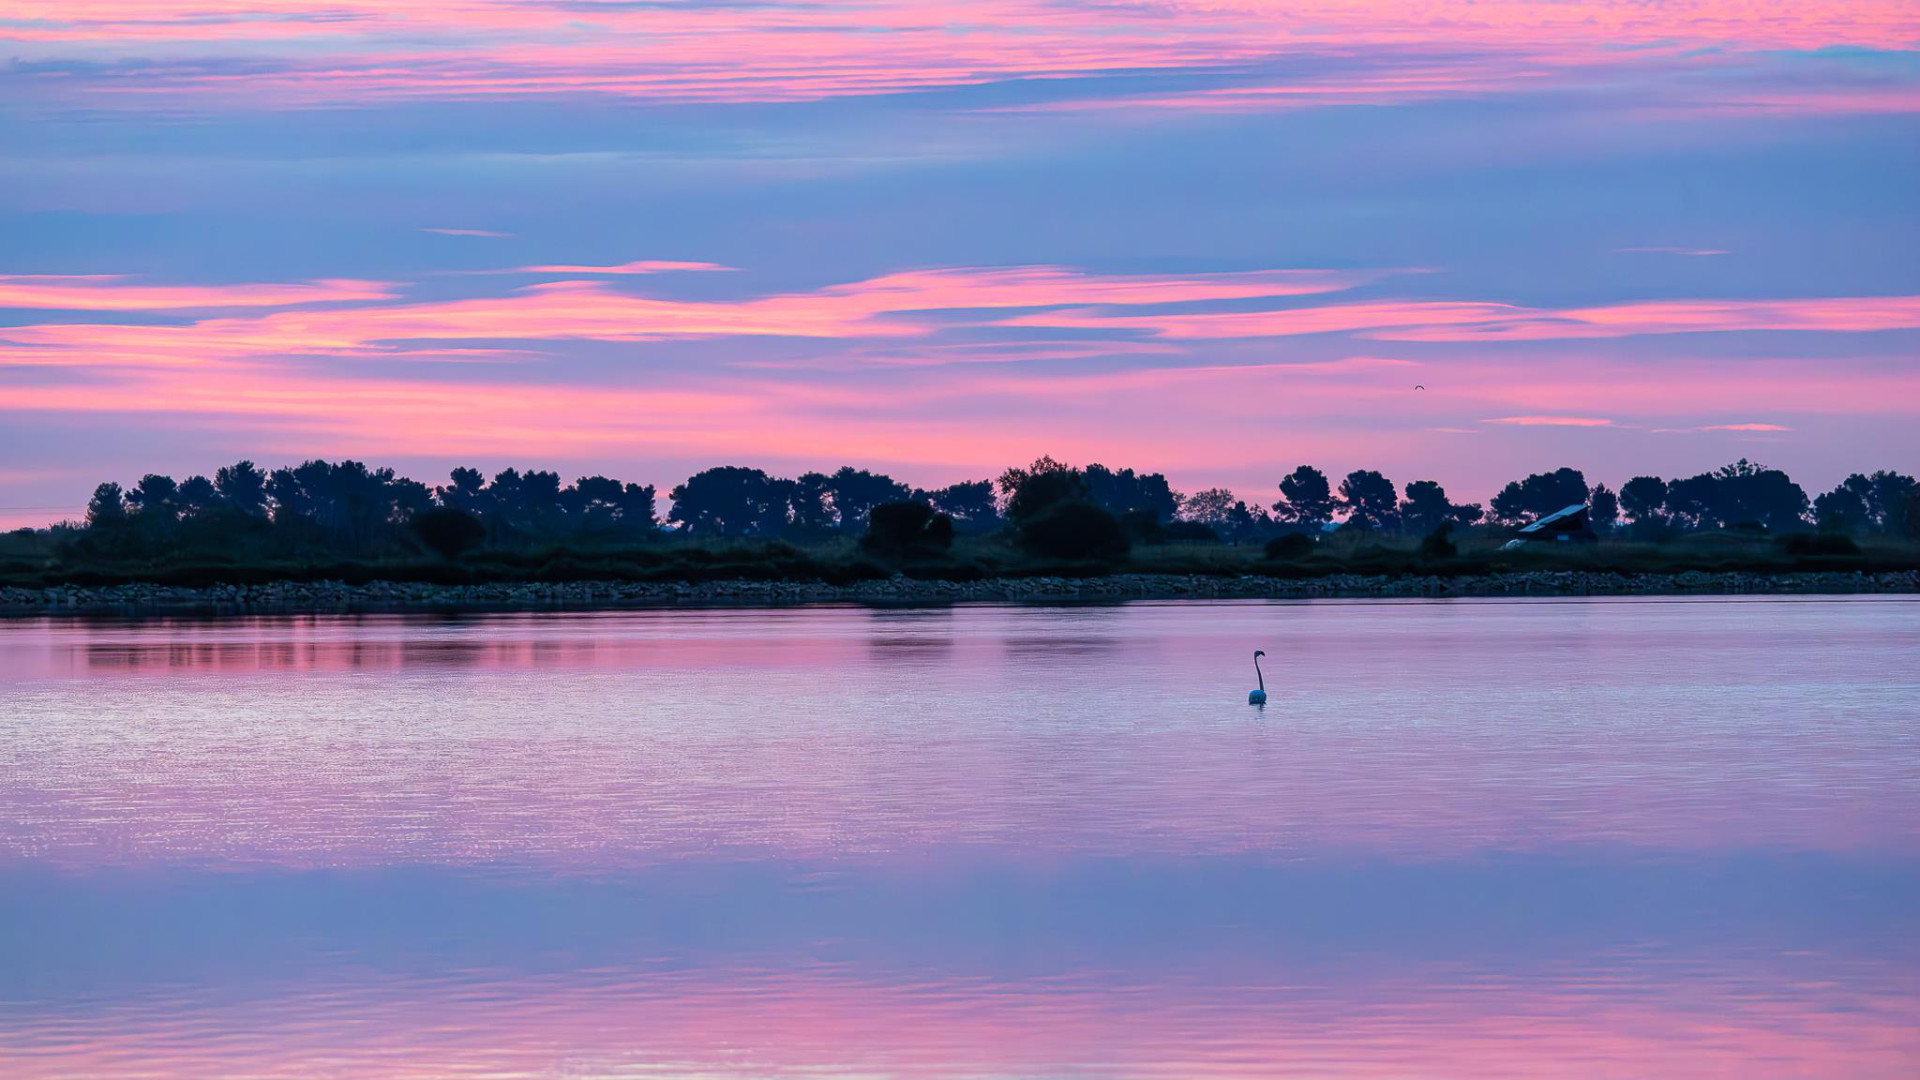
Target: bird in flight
(1419,388)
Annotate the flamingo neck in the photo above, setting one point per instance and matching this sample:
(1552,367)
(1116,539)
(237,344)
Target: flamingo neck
(1256,674)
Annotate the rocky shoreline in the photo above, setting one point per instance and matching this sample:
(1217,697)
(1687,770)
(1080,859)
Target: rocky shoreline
(379,596)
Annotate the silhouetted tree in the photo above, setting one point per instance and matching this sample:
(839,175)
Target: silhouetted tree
(1209,507)
(1746,494)
(638,508)
(1643,500)
(1841,512)
(1603,509)
(1306,499)
(1369,500)
(108,506)
(970,504)
(346,506)
(348,509)
(1073,529)
(1426,508)
(592,501)
(810,505)
(1690,501)
(1888,499)
(1011,480)
(907,528)
(291,504)
(1046,482)
(600,505)
(197,496)
(154,498)
(1124,492)
(243,487)
(448,531)
(1248,522)
(465,492)
(856,492)
(1740,495)
(729,501)
(1539,495)
(536,507)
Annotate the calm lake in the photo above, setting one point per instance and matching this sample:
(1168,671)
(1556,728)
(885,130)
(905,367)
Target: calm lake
(1618,838)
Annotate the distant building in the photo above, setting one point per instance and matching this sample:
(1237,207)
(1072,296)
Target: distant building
(1573,524)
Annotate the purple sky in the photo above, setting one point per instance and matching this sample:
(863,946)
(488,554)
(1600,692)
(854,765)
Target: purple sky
(1219,239)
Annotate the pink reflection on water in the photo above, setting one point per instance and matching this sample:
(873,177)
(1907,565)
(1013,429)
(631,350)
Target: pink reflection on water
(614,740)
(819,1023)
(1473,840)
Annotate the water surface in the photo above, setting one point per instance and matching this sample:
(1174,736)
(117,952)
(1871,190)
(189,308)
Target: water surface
(1476,839)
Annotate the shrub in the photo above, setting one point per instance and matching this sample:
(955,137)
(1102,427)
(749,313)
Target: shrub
(1290,546)
(1142,527)
(1189,530)
(907,528)
(1439,544)
(1818,544)
(448,531)
(1074,529)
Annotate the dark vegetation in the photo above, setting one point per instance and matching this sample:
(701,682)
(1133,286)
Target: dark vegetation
(344,521)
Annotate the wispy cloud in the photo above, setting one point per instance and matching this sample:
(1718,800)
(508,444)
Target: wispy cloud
(927,365)
(486,233)
(360,317)
(908,304)
(112,292)
(1687,251)
(1475,321)
(333,51)
(1551,421)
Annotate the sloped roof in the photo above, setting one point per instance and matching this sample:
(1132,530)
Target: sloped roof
(1557,515)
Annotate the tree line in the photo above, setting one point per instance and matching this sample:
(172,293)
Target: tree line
(1047,507)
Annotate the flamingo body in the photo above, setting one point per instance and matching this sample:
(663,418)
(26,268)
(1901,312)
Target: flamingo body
(1259,696)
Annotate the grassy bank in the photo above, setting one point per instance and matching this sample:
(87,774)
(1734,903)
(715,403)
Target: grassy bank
(30,563)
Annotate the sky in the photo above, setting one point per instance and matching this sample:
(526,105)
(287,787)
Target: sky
(1217,238)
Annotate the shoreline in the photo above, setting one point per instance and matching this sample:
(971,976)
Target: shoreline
(334,597)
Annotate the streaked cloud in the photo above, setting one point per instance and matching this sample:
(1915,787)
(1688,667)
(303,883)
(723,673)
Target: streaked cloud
(906,304)
(312,52)
(1468,321)
(1694,252)
(113,292)
(1552,421)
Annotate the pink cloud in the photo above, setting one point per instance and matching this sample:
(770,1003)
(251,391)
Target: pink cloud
(332,51)
(912,369)
(1551,421)
(488,233)
(105,292)
(1458,321)
(1694,252)
(1838,314)
(894,305)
